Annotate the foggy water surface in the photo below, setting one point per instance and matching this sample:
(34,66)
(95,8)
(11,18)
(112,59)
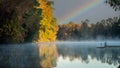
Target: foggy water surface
(60,55)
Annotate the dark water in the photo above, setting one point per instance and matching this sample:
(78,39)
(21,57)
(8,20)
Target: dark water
(58,55)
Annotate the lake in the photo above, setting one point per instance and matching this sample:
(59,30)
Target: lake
(60,55)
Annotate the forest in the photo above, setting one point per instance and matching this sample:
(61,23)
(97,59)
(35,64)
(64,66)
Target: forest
(33,21)
(105,29)
(27,21)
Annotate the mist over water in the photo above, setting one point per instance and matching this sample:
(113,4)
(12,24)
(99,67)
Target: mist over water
(67,54)
(91,42)
(85,54)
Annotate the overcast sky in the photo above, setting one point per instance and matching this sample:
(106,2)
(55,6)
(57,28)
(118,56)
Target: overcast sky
(97,13)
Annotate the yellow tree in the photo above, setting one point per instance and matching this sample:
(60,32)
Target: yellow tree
(48,24)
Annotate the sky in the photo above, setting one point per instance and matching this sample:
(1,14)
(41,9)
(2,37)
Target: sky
(78,10)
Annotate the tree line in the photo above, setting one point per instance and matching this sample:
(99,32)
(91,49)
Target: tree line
(33,21)
(105,29)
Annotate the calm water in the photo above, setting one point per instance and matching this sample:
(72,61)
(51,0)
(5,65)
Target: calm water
(60,55)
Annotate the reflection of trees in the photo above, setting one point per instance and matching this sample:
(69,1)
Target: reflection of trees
(19,56)
(28,56)
(119,66)
(107,55)
(45,56)
(48,56)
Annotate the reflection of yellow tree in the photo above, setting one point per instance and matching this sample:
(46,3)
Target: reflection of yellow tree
(48,56)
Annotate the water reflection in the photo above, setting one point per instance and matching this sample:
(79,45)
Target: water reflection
(104,55)
(19,56)
(28,56)
(119,66)
(47,55)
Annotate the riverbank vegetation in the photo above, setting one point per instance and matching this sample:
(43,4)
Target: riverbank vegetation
(33,21)
(27,21)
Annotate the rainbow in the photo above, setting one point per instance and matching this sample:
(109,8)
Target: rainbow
(80,10)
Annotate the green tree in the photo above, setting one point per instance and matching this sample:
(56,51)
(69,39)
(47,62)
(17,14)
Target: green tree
(84,29)
(116,28)
(114,3)
(18,20)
